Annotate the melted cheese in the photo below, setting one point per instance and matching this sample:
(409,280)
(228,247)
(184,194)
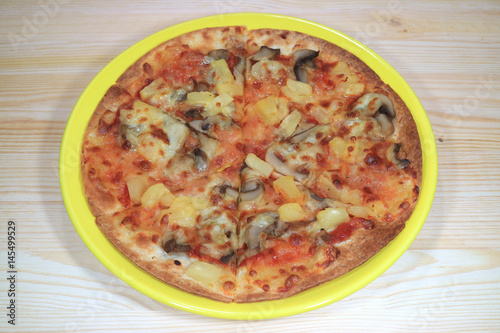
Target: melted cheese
(163,95)
(142,123)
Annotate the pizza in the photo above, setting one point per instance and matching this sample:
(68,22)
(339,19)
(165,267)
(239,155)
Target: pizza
(250,165)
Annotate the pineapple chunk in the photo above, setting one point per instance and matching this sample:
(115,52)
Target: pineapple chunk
(340,68)
(354,197)
(292,212)
(229,89)
(200,97)
(350,89)
(290,123)
(221,104)
(204,272)
(167,199)
(222,73)
(268,110)
(297,91)
(339,192)
(259,165)
(360,211)
(285,186)
(157,88)
(136,185)
(182,212)
(331,218)
(154,194)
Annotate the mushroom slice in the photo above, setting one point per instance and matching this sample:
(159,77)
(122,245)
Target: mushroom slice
(303,57)
(194,113)
(281,167)
(317,197)
(219,54)
(325,236)
(277,229)
(226,259)
(265,53)
(392,156)
(200,160)
(232,193)
(201,86)
(257,226)
(386,125)
(196,125)
(206,125)
(251,190)
(240,65)
(371,103)
(227,189)
(302,132)
(172,246)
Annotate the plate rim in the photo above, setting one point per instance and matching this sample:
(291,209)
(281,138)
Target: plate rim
(69,168)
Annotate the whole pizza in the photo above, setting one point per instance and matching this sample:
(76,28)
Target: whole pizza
(250,165)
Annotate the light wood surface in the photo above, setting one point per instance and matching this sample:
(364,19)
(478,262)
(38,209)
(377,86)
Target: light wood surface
(448,52)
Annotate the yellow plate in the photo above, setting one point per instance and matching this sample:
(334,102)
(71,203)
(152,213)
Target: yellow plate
(76,204)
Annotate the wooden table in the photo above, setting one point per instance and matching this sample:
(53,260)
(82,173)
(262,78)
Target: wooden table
(448,52)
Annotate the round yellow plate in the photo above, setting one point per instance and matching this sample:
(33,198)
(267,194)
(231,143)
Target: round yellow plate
(76,204)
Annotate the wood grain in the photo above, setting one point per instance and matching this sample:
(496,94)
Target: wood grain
(448,51)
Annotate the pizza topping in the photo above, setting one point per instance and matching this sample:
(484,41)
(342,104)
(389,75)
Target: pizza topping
(271,109)
(302,132)
(259,165)
(265,69)
(172,246)
(360,211)
(386,125)
(219,54)
(379,107)
(183,211)
(201,86)
(392,156)
(259,223)
(330,218)
(141,125)
(371,103)
(279,166)
(302,58)
(265,53)
(290,123)
(221,72)
(297,91)
(285,186)
(292,212)
(136,186)
(200,160)
(156,194)
(226,259)
(252,188)
(204,272)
